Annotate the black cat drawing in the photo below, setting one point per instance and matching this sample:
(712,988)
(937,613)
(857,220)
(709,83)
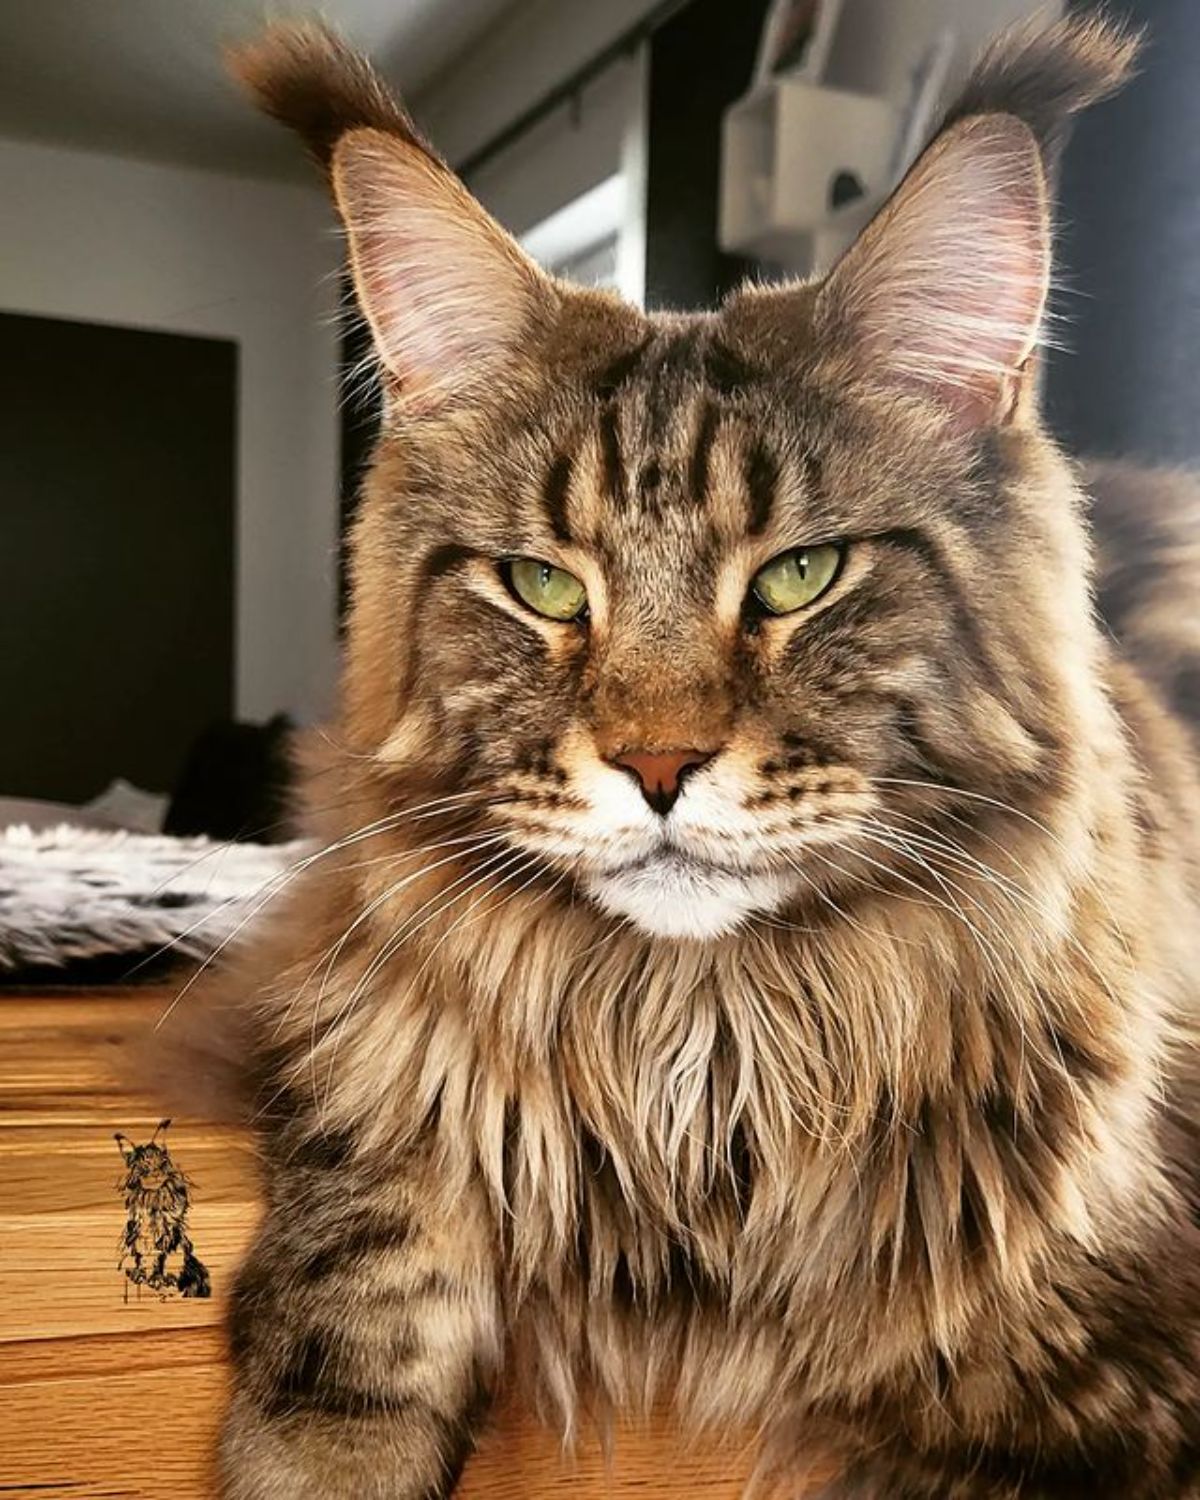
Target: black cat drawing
(156,1250)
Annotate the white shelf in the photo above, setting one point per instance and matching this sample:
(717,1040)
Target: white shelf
(800,165)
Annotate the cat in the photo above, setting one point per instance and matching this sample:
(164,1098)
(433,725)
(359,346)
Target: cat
(156,1249)
(751,952)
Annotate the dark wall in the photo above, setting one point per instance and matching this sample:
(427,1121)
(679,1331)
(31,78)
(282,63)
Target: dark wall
(700,62)
(1129,381)
(117,491)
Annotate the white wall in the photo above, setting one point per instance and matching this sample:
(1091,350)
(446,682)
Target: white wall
(878,43)
(110,240)
(534,47)
(579,176)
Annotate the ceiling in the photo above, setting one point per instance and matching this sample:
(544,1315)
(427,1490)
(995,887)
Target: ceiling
(144,77)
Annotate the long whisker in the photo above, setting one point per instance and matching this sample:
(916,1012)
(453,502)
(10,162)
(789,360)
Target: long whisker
(394,942)
(838,910)
(221,847)
(506,858)
(1017,896)
(465,918)
(995,960)
(1008,808)
(949,905)
(980,797)
(284,877)
(387,895)
(1035,992)
(463,846)
(279,883)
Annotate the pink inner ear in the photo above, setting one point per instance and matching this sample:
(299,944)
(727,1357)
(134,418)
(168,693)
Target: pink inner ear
(446,291)
(946,290)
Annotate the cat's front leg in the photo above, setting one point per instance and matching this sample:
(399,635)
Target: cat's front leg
(365,1334)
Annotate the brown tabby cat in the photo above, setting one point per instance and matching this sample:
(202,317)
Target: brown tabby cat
(754,950)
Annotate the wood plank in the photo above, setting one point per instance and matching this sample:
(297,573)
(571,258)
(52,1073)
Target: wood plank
(146,1433)
(114,1400)
(152,1433)
(78,1357)
(59,1274)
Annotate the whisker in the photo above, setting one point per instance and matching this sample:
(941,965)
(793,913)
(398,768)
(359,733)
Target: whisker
(463,846)
(1017,896)
(464,918)
(274,887)
(1072,859)
(406,927)
(994,959)
(505,858)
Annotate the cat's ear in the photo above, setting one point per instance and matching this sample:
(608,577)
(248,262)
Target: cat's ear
(123,1141)
(158,1130)
(449,295)
(945,291)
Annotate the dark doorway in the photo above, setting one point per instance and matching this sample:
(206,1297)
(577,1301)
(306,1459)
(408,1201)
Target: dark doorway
(117,505)
(701,60)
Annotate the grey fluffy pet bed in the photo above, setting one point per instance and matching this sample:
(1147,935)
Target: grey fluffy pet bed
(77,896)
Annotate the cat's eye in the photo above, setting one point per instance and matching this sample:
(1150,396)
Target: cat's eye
(796,578)
(547,590)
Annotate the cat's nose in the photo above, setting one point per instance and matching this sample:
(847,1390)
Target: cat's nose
(660,773)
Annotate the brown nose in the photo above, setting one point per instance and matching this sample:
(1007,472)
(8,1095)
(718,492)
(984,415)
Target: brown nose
(660,773)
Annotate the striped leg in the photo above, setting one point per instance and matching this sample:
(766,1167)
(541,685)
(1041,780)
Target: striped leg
(365,1335)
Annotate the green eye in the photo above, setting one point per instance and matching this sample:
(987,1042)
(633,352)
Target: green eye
(547,590)
(796,578)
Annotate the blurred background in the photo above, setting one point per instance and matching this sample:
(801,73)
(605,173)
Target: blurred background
(178,451)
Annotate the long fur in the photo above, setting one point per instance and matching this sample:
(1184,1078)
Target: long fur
(902,1168)
(307,78)
(1045,75)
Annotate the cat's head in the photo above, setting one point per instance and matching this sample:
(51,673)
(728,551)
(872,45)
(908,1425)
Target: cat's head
(704,608)
(150,1172)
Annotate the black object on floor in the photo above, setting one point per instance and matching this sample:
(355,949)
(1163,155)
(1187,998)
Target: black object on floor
(236,784)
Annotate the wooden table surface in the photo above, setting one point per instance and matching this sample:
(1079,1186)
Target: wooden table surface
(106,1397)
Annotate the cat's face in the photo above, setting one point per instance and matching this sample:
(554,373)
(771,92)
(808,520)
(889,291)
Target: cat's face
(150,1170)
(699,606)
(663,506)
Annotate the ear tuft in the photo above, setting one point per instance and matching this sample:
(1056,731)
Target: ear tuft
(447,292)
(944,293)
(1045,75)
(306,77)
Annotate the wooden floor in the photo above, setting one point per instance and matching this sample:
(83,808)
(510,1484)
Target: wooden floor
(104,1397)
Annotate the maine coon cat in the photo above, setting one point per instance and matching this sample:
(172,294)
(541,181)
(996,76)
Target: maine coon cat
(156,1249)
(753,949)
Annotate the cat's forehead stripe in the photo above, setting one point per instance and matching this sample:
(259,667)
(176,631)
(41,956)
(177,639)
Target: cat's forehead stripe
(706,432)
(760,470)
(725,372)
(612,463)
(670,413)
(555,496)
(615,375)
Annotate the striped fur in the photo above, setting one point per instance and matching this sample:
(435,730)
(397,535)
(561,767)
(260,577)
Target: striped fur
(892,1151)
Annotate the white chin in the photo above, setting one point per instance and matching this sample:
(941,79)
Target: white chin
(675,897)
